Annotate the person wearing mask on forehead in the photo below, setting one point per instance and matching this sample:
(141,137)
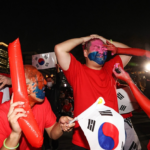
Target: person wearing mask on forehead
(91,80)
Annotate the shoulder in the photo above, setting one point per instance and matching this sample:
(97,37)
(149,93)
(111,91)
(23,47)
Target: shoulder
(113,61)
(4,108)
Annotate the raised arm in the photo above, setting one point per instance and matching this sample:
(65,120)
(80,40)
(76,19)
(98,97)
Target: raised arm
(128,51)
(143,101)
(125,59)
(62,50)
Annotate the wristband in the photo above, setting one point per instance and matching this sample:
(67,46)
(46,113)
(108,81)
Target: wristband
(111,41)
(9,147)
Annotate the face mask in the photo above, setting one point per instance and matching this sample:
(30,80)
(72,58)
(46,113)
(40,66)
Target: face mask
(96,56)
(49,84)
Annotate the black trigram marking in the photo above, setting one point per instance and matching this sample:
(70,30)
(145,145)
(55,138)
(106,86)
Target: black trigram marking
(123,107)
(133,146)
(45,57)
(36,58)
(46,64)
(120,96)
(106,113)
(37,65)
(128,121)
(91,124)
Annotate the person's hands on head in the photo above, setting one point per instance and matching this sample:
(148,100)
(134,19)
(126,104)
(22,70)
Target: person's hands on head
(4,81)
(64,123)
(122,75)
(111,47)
(86,39)
(98,37)
(14,114)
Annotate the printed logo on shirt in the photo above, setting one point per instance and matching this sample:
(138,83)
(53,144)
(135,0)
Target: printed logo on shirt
(120,96)
(123,107)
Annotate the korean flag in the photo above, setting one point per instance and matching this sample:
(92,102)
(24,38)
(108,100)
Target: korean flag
(44,61)
(102,126)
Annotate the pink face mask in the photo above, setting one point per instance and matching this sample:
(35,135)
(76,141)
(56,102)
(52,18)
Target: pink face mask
(97,45)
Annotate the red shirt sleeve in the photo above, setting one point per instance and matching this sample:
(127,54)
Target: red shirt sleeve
(73,70)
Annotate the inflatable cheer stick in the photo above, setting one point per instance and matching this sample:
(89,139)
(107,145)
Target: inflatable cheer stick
(27,124)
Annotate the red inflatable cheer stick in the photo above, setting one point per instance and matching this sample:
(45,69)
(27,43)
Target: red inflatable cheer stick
(27,124)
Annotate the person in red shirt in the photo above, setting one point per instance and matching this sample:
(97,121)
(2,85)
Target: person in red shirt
(11,132)
(67,108)
(91,80)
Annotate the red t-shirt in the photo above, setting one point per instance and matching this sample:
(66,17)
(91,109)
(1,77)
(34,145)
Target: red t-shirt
(43,115)
(88,85)
(67,108)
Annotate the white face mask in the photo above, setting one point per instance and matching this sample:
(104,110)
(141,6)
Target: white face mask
(49,84)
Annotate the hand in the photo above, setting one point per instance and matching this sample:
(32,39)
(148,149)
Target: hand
(122,75)
(5,81)
(87,38)
(64,123)
(14,114)
(111,47)
(98,37)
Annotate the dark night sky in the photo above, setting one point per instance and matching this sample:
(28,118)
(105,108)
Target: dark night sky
(41,24)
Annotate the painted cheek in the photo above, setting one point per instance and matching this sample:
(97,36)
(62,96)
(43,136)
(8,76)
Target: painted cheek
(95,56)
(39,93)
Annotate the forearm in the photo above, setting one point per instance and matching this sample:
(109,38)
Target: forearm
(133,51)
(68,45)
(12,141)
(143,101)
(56,131)
(117,44)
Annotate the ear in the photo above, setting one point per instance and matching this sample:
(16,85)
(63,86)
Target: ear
(85,52)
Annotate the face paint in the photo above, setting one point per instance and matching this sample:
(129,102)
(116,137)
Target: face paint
(99,52)
(39,92)
(95,56)
(97,45)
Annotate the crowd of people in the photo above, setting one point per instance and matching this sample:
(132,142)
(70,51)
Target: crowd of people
(56,106)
